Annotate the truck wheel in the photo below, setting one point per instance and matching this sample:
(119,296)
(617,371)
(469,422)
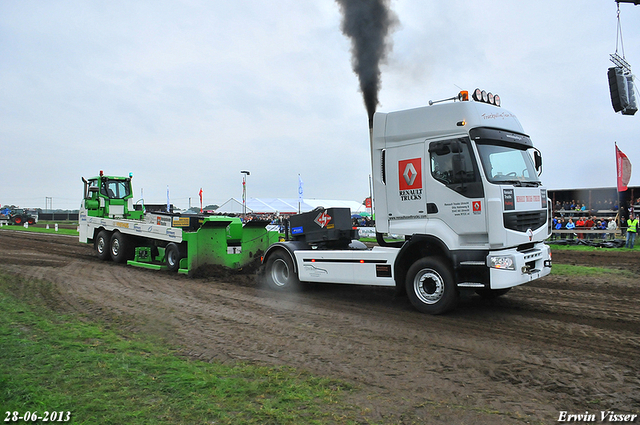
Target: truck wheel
(173,255)
(279,272)
(489,294)
(102,245)
(31,221)
(17,220)
(121,248)
(430,286)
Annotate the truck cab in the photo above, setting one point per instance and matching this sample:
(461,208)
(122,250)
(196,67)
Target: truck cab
(460,180)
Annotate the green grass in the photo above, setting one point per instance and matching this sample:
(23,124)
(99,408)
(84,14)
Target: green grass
(38,229)
(54,362)
(571,270)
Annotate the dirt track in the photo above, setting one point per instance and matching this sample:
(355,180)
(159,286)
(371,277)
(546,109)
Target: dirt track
(557,344)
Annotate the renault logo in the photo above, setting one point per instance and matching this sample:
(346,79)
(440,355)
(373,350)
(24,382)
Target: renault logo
(410,174)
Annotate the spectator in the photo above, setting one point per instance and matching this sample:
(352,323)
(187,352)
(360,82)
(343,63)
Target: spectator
(559,225)
(590,224)
(612,227)
(570,226)
(602,225)
(580,225)
(632,227)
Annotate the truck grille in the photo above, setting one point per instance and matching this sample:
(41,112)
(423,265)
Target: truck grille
(521,221)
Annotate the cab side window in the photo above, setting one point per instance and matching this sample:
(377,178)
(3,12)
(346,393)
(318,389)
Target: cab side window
(453,164)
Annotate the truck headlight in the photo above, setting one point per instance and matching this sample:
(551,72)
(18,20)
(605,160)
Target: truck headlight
(502,262)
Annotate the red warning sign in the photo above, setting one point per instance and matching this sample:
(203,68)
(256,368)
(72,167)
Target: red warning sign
(323,219)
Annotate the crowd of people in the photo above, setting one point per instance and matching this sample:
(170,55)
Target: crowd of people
(585,223)
(575,217)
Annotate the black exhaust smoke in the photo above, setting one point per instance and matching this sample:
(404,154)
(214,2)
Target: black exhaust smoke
(368,23)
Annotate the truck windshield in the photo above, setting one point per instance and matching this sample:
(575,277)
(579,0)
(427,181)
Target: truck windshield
(505,163)
(115,189)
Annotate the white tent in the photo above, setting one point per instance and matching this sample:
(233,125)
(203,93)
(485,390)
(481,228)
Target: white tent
(285,206)
(232,206)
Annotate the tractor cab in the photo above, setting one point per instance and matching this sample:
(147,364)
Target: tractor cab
(110,197)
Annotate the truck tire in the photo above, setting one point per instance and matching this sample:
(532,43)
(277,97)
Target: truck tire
(120,249)
(430,286)
(280,274)
(173,254)
(31,221)
(102,245)
(17,220)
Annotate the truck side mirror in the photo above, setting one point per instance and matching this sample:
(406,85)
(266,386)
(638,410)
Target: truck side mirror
(537,158)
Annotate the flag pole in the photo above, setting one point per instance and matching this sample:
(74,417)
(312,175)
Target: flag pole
(300,193)
(618,188)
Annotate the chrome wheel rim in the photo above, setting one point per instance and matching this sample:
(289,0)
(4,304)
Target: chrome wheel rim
(101,245)
(428,286)
(115,247)
(171,258)
(280,272)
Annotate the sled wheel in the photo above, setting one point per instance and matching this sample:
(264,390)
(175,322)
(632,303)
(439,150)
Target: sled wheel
(173,255)
(430,286)
(102,245)
(121,248)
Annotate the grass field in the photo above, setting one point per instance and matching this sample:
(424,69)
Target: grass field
(98,373)
(63,229)
(571,270)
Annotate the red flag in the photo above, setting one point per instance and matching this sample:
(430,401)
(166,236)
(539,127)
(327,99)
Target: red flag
(623,170)
(200,199)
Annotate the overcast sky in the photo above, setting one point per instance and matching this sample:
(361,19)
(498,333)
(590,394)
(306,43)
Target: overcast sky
(190,93)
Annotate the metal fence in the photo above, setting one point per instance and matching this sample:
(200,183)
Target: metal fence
(58,216)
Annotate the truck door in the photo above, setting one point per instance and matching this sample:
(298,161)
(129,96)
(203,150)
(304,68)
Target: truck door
(406,197)
(455,189)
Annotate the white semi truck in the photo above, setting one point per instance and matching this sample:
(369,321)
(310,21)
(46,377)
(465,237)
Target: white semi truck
(460,180)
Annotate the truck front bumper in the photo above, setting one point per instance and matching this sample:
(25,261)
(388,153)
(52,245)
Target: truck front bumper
(511,267)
